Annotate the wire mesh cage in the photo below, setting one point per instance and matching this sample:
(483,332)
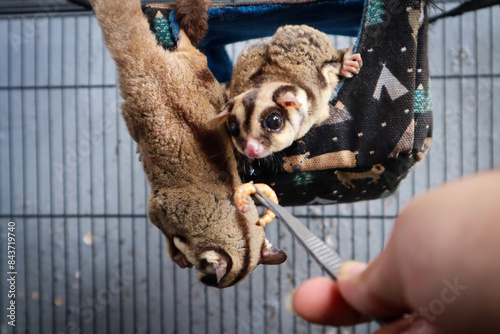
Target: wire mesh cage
(88,260)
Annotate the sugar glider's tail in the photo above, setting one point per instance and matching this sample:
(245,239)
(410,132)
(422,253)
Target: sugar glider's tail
(193,18)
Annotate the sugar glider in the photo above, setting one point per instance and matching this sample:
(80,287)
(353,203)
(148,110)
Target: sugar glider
(169,98)
(281,87)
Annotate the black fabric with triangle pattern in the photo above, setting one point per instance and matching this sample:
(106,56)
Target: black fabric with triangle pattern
(381,120)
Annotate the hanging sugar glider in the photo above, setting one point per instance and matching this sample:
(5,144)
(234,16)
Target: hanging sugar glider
(169,98)
(281,87)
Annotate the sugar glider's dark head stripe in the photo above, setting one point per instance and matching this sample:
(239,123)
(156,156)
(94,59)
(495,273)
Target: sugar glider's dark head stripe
(257,78)
(321,80)
(229,105)
(245,265)
(249,105)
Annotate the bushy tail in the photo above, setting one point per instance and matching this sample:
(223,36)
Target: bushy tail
(193,18)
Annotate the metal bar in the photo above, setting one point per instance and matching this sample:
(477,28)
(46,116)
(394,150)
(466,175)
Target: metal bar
(221,310)
(3,260)
(294,266)
(78,173)
(9,112)
(144,216)
(148,295)
(492,95)
(50,14)
(264,298)
(162,318)
(45,87)
(461,107)
(105,185)
(190,304)
(134,286)
(38,187)
(279,284)
(323,237)
(120,260)
(445,165)
(24,159)
(353,251)
(476,92)
(65,229)
(33,10)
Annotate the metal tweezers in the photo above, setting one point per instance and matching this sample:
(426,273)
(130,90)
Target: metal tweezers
(326,257)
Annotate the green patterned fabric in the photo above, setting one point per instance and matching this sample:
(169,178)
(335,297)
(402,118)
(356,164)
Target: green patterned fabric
(374,13)
(163,32)
(423,99)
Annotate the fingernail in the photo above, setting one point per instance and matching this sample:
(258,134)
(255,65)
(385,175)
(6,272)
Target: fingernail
(289,303)
(350,268)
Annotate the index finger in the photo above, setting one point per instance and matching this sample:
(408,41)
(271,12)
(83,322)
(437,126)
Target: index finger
(318,300)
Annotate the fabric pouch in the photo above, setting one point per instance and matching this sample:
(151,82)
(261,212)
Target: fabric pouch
(380,120)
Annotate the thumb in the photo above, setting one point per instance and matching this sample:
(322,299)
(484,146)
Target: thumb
(371,289)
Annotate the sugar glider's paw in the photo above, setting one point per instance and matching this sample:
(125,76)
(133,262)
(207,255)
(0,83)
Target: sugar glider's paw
(351,64)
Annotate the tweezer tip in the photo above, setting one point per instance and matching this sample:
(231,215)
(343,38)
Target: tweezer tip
(259,195)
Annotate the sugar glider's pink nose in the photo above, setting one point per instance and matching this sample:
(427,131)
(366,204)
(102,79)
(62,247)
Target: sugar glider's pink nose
(254,148)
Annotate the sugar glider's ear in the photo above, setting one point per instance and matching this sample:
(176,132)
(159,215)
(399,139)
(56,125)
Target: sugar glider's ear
(220,269)
(221,118)
(272,255)
(288,99)
(218,262)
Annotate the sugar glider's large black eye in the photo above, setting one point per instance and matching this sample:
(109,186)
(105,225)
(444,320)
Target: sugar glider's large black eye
(233,128)
(273,122)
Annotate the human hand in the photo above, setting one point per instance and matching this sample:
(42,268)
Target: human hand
(440,265)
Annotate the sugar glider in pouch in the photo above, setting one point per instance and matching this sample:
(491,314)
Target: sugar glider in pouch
(169,99)
(281,87)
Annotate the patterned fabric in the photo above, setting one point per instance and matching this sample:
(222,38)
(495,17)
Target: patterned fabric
(163,32)
(380,123)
